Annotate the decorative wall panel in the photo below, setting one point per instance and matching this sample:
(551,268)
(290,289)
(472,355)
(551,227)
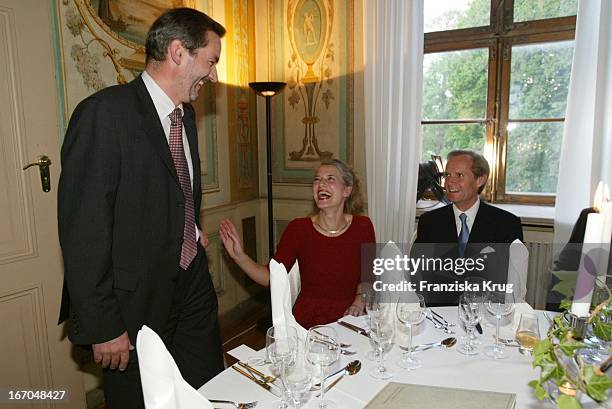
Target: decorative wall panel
(23,343)
(241,100)
(16,218)
(311,48)
(214,252)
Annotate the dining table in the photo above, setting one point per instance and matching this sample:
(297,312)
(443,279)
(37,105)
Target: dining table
(441,367)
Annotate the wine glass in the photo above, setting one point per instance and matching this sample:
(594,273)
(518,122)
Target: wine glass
(474,290)
(500,304)
(374,309)
(470,312)
(322,351)
(381,333)
(409,313)
(528,333)
(297,380)
(281,347)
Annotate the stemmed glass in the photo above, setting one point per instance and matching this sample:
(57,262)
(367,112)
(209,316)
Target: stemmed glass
(475,291)
(381,332)
(322,351)
(470,312)
(374,309)
(297,379)
(500,304)
(281,347)
(409,313)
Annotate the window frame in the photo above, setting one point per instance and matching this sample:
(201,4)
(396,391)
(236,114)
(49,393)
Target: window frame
(499,37)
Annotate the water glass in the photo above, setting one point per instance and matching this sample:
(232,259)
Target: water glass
(475,291)
(470,313)
(281,347)
(381,333)
(322,351)
(297,380)
(409,313)
(500,304)
(374,309)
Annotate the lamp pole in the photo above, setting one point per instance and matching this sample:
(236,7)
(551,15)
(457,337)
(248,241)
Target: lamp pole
(268,90)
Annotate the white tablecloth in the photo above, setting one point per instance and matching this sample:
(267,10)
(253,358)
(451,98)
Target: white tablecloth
(440,368)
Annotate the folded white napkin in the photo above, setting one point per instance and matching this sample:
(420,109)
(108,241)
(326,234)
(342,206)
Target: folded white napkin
(392,276)
(388,298)
(280,294)
(517,269)
(295,281)
(163,386)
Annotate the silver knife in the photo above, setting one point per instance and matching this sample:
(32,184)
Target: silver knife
(273,389)
(270,380)
(355,328)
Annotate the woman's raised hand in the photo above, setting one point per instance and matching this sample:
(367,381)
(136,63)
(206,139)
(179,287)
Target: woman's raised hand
(231,239)
(233,244)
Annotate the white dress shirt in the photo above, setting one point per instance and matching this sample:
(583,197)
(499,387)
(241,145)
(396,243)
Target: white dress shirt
(164,107)
(471,216)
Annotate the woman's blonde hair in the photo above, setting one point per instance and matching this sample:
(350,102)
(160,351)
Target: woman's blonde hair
(354,203)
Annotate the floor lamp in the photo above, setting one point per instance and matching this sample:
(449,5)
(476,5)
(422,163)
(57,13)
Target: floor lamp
(268,90)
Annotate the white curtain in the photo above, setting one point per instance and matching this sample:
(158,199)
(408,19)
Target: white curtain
(586,153)
(393,83)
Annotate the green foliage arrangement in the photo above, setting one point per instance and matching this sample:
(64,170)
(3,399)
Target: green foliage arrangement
(562,377)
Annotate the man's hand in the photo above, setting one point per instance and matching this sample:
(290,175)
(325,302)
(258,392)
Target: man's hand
(114,353)
(204,242)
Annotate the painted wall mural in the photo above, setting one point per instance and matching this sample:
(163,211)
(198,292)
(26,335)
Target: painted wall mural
(313,53)
(241,100)
(101,43)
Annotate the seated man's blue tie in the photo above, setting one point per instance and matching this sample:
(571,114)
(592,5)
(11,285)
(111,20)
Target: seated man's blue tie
(464,234)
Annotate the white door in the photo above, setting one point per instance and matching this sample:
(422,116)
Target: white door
(34,353)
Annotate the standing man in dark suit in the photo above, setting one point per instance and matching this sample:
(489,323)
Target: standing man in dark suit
(129,205)
(468,225)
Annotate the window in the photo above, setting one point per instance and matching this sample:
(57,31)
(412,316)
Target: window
(495,79)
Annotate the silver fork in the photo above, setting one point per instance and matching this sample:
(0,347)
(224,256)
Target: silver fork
(243,405)
(441,318)
(439,326)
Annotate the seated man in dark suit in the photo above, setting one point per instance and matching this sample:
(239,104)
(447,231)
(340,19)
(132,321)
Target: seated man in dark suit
(467,228)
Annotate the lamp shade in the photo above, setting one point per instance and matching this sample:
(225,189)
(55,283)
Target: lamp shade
(267,89)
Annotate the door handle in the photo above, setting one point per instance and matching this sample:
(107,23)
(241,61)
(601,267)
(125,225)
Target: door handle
(43,164)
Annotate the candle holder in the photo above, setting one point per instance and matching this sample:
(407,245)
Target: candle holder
(578,325)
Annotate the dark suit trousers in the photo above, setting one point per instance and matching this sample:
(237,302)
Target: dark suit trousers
(191,335)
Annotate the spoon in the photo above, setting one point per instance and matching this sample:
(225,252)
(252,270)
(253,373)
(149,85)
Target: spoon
(346,368)
(446,343)
(351,369)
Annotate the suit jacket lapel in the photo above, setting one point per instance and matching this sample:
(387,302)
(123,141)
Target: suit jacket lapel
(450,228)
(480,224)
(153,128)
(446,236)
